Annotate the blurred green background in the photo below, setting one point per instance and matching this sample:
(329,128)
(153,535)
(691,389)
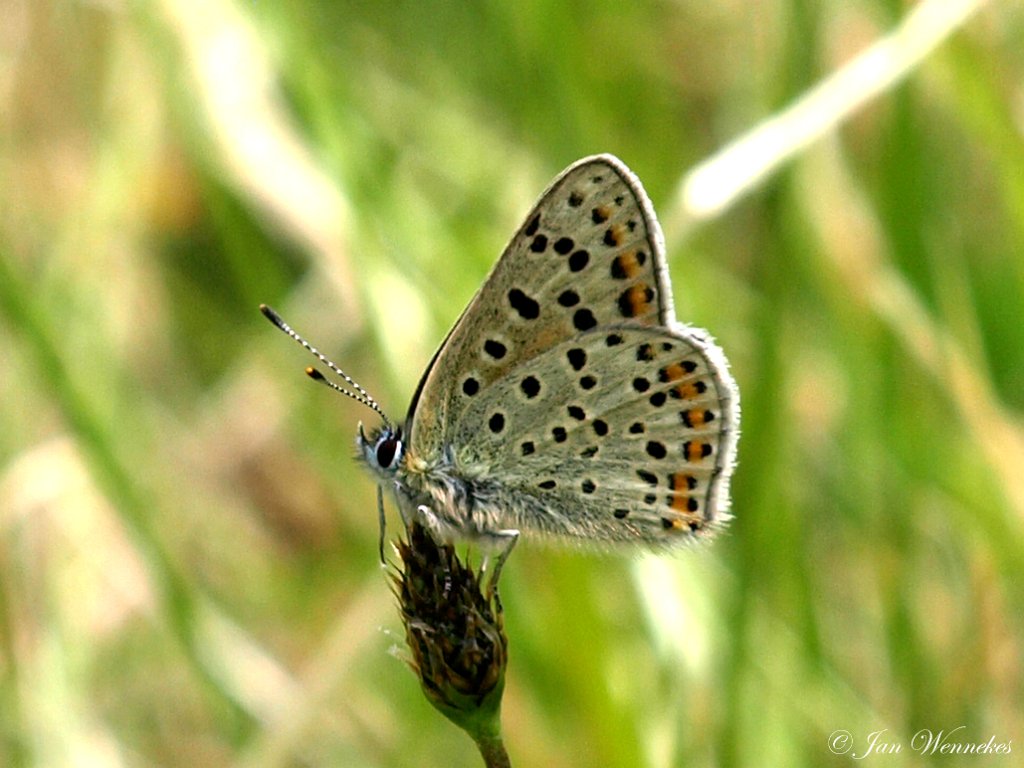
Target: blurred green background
(188,571)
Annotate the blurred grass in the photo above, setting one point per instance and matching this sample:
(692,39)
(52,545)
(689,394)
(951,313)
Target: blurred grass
(187,551)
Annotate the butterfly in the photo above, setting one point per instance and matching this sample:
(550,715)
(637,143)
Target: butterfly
(566,402)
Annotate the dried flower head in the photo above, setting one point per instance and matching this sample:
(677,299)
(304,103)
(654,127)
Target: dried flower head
(454,628)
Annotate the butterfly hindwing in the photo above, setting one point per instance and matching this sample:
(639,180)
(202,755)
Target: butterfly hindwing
(618,434)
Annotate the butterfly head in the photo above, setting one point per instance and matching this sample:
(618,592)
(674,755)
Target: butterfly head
(382,449)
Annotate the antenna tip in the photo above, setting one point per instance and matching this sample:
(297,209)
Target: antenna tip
(271,315)
(314,374)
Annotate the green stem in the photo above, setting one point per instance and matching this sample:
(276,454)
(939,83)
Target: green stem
(492,750)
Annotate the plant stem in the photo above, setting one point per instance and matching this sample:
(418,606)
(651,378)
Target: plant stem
(492,750)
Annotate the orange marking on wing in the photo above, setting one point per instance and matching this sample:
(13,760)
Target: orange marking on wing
(677,481)
(687,391)
(696,417)
(673,372)
(696,450)
(638,299)
(629,265)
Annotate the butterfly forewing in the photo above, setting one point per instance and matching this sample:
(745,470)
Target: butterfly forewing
(588,255)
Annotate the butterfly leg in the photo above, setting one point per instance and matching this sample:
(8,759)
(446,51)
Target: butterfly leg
(502,543)
(381,523)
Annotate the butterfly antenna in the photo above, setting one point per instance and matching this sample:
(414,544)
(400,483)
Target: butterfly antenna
(360,395)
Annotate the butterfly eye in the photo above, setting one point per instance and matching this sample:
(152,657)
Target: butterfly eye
(387,451)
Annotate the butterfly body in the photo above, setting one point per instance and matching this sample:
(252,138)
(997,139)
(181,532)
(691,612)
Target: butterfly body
(567,401)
